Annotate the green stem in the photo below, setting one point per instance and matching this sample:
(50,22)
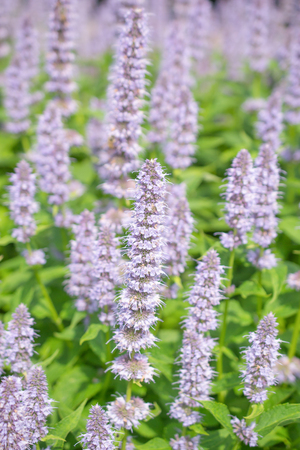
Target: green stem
(37,446)
(124,440)
(293,345)
(259,298)
(184,429)
(224,322)
(128,398)
(55,317)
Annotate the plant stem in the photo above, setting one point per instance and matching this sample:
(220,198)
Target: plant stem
(293,345)
(224,322)
(37,445)
(259,298)
(183,431)
(124,440)
(128,397)
(55,317)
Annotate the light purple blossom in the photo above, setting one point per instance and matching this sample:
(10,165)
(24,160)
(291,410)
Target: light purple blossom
(139,300)
(65,219)
(2,347)
(99,435)
(266,206)
(21,201)
(287,370)
(292,94)
(262,260)
(52,156)
(16,96)
(27,47)
(106,260)
(293,280)
(261,358)
(126,98)
(200,24)
(178,230)
(240,198)
(269,125)
(258,22)
(123,414)
(116,219)
(37,404)
(185,443)
(35,257)
(13,430)
(4,30)
(20,340)
(245,433)
(136,368)
(60,56)
(81,278)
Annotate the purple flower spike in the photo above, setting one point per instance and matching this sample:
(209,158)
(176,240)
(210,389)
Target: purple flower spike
(17,98)
(127,415)
(292,94)
(37,404)
(126,97)
(81,278)
(107,258)
(19,340)
(244,433)
(269,125)
(14,431)
(240,198)
(21,201)
(179,227)
(185,443)
(200,22)
(4,30)
(99,435)
(60,56)
(261,358)
(258,20)
(27,47)
(2,346)
(35,257)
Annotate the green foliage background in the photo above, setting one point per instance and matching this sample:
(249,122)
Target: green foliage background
(75,360)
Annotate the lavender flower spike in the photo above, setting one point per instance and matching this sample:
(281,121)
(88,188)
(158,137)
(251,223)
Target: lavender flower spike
(27,47)
(100,435)
(4,30)
(107,258)
(258,20)
(37,404)
(269,125)
(261,358)
(126,96)
(60,57)
(292,94)
(2,346)
(19,340)
(21,201)
(240,199)
(178,229)
(244,433)
(200,22)
(13,430)
(195,373)
(139,300)
(81,266)
(17,99)
(185,443)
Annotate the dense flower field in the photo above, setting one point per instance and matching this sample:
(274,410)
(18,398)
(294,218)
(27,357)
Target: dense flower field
(149,224)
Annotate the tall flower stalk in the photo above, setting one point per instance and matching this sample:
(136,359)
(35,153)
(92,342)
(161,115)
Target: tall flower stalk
(126,98)
(139,300)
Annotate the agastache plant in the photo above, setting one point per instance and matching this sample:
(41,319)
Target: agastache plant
(200,22)
(258,23)
(292,94)
(245,433)
(266,207)
(106,260)
(21,201)
(261,358)
(140,298)
(126,98)
(178,230)
(27,47)
(195,373)
(99,435)
(81,279)
(4,30)
(269,125)
(60,56)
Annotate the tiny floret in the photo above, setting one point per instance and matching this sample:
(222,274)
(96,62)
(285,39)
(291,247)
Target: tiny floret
(99,435)
(245,433)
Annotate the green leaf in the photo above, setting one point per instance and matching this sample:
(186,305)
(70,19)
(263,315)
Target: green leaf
(154,444)
(257,410)
(198,428)
(250,287)
(218,440)
(154,412)
(279,415)
(278,277)
(51,437)
(49,360)
(228,381)
(220,413)
(92,332)
(289,225)
(50,274)
(5,240)
(63,428)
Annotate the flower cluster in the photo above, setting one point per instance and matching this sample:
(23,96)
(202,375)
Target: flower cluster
(100,435)
(17,98)
(116,219)
(35,257)
(127,414)
(185,443)
(107,258)
(292,94)
(258,22)
(179,227)
(60,56)
(126,96)
(200,22)
(261,358)
(4,30)
(52,156)
(139,300)
(287,370)
(21,201)
(245,433)
(293,280)
(195,373)
(240,198)
(262,259)
(19,338)
(27,47)
(269,125)
(81,277)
